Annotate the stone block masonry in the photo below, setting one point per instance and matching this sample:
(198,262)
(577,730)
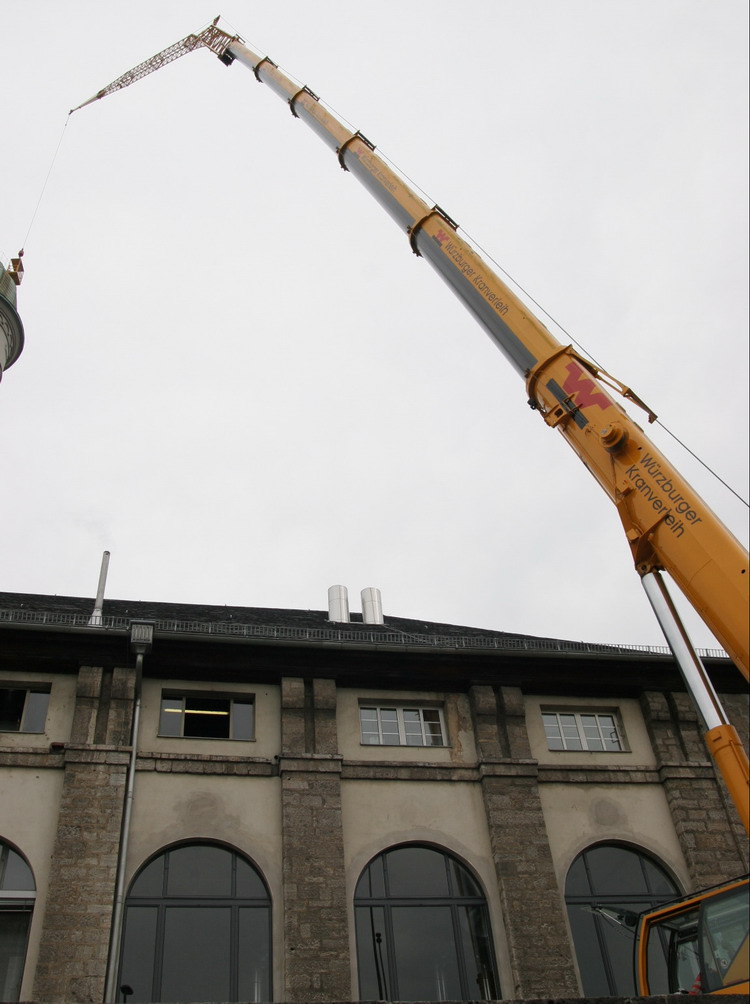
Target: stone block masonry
(540,951)
(704,820)
(76,931)
(316,936)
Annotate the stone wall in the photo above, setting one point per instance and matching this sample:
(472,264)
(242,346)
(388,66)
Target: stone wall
(75,938)
(316,936)
(704,818)
(538,942)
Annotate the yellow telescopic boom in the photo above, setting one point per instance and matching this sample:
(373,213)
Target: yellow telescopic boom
(668,526)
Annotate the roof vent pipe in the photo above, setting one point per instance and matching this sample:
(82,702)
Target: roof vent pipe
(372,606)
(338,604)
(95,620)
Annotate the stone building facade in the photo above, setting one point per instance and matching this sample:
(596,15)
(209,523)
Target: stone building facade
(318,811)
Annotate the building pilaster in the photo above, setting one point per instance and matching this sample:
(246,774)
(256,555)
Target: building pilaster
(704,820)
(539,946)
(316,935)
(75,935)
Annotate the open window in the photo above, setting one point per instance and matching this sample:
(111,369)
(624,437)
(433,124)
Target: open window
(207,715)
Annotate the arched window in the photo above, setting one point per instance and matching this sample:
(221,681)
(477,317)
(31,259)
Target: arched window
(197,928)
(17,895)
(423,933)
(608,885)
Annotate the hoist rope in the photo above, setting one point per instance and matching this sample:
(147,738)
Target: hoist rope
(44,186)
(485,254)
(594,360)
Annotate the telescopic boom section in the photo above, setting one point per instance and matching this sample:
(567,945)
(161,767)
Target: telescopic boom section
(667,525)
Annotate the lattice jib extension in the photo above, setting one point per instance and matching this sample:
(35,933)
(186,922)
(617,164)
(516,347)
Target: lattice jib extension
(212,38)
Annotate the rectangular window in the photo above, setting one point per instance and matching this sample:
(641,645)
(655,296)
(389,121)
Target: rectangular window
(23,709)
(204,716)
(583,730)
(401,726)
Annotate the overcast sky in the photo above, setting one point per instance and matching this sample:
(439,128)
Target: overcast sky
(239,380)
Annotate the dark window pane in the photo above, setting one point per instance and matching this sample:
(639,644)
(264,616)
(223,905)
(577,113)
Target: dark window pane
(17,876)
(199,870)
(35,716)
(577,882)
(14,926)
(589,953)
(416,871)
(243,720)
(254,982)
(658,880)
(196,964)
(139,943)
(615,870)
(249,883)
(658,971)
(619,945)
(477,952)
(372,882)
(151,880)
(202,949)
(206,718)
(372,957)
(602,919)
(170,720)
(11,709)
(463,883)
(424,950)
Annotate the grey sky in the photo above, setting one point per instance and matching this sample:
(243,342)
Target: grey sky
(238,378)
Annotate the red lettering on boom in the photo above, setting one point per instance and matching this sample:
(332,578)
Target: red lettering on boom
(585,388)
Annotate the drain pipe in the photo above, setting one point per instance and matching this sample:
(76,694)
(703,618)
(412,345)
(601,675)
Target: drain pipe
(141,640)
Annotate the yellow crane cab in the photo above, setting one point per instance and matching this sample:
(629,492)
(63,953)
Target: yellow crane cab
(698,945)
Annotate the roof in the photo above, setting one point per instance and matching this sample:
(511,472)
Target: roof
(57,634)
(287,624)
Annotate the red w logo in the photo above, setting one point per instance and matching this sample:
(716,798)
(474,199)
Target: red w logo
(582,385)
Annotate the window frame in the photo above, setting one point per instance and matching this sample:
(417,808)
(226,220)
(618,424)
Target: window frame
(232,697)
(18,901)
(164,900)
(388,902)
(584,891)
(26,711)
(578,713)
(403,735)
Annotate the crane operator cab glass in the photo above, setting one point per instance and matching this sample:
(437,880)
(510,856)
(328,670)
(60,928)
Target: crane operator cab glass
(698,946)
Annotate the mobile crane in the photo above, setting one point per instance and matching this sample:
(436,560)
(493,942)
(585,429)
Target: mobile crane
(667,525)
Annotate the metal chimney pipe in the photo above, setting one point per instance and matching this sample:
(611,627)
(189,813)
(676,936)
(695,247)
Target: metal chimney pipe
(338,604)
(372,606)
(95,619)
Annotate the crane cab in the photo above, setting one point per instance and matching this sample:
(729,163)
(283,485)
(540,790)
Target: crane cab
(696,946)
